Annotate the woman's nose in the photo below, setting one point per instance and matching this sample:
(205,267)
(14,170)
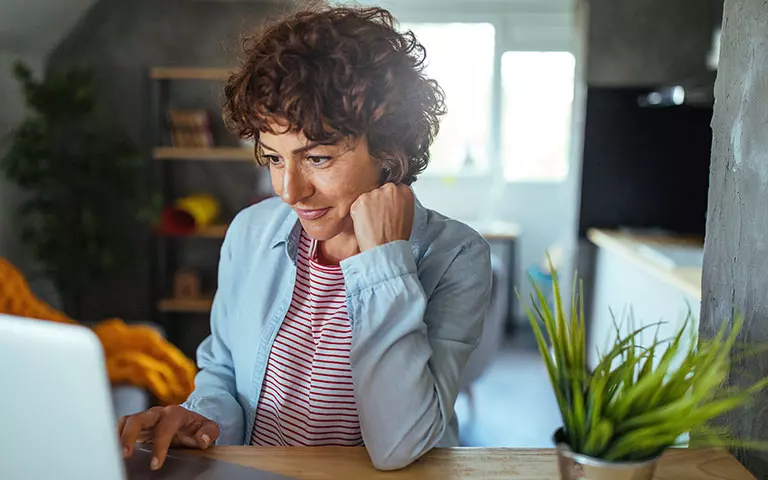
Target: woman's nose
(295,185)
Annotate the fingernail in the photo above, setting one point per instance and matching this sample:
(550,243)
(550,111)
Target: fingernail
(126,451)
(155,463)
(206,439)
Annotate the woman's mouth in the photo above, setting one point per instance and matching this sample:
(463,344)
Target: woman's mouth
(307,214)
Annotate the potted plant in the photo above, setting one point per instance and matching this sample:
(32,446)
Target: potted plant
(619,417)
(82,182)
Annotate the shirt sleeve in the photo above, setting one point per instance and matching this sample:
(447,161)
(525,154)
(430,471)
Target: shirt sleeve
(214,396)
(409,350)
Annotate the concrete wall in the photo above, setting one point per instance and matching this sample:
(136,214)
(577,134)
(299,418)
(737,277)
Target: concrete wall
(34,27)
(645,42)
(736,252)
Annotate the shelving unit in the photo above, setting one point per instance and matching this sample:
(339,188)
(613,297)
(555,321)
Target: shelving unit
(165,162)
(210,231)
(189,73)
(176,305)
(203,154)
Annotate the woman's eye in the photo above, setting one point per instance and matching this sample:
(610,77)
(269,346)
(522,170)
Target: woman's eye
(316,160)
(272,159)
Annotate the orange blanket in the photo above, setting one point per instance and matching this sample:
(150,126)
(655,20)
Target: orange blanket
(135,354)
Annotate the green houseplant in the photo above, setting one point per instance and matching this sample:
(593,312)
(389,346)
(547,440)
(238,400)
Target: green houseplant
(81,180)
(619,417)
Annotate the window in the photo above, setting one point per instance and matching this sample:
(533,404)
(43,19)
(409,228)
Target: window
(460,57)
(531,136)
(536,114)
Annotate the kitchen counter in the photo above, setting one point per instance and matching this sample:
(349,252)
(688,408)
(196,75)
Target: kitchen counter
(675,260)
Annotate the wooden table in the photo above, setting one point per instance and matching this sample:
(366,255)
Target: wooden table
(322,463)
(506,233)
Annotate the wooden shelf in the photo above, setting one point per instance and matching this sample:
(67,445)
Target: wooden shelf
(212,231)
(189,73)
(194,305)
(204,154)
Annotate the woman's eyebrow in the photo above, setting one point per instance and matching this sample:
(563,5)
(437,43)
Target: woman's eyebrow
(303,149)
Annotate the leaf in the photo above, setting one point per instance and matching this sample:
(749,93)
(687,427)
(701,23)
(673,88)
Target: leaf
(598,438)
(579,415)
(562,330)
(645,370)
(595,394)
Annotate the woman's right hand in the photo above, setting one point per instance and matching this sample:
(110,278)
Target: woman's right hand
(164,427)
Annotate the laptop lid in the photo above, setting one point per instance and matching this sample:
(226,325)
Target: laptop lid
(56,413)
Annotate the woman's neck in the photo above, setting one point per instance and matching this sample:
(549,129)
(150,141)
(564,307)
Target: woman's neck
(338,248)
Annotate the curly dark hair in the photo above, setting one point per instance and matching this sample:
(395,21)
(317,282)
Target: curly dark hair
(336,73)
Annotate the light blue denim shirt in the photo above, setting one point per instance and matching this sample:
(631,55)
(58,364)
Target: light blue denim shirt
(416,309)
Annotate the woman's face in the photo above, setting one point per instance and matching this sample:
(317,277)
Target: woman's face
(320,182)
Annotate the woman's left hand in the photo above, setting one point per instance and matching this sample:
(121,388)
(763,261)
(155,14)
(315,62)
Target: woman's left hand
(383,215)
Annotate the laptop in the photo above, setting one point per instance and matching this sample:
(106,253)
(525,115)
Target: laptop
(56,413)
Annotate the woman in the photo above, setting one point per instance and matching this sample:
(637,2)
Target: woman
(345,311)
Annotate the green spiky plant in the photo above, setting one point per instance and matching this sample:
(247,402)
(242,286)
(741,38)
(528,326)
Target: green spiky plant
(632,405)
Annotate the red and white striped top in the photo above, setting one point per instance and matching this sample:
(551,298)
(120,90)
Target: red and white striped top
(307,398)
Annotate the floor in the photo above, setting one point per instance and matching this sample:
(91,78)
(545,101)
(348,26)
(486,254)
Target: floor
(513,401)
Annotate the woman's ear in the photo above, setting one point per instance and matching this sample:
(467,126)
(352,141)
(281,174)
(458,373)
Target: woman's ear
(392,168)
(386,176)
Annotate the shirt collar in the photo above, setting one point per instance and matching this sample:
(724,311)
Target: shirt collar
(289,231)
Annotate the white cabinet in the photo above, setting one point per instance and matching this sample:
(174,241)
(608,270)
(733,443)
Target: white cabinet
(626,279)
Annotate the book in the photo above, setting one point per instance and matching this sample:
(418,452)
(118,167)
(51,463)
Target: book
(190,128)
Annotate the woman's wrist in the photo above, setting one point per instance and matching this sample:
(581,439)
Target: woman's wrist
(378,264)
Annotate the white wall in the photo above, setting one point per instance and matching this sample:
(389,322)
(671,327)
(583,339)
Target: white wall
(545,211)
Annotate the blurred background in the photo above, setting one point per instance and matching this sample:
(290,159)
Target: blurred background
(577,127)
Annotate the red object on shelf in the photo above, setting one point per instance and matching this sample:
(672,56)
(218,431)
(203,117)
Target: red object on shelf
(176,222)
